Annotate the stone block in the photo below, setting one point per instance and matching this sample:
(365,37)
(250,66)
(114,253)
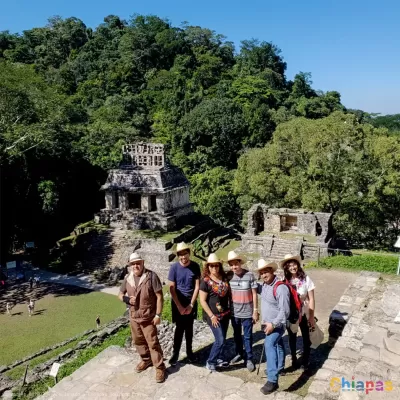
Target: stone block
(375,337)
(359,300)
(350,396)
(392,345)
(396,337)
(346,299)
(349,343)
(393,327)
(357,331)
(321,390)
(391,303)
(223,382)
(249,390)
(389,358)
(98,375)
(340,366)
(324,374)
(371,352)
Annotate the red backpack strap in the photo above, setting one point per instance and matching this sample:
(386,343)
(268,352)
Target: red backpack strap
(279,283)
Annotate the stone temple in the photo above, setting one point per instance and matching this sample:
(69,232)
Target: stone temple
(274,232)
(145,192)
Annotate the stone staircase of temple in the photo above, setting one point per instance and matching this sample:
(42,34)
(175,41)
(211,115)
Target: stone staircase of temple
(281,247)
(108,249)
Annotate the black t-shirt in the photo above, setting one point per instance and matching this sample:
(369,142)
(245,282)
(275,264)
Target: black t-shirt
(218,298)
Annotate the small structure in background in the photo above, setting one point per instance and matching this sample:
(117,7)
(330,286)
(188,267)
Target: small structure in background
(145,192)
(274,232)
(262,219)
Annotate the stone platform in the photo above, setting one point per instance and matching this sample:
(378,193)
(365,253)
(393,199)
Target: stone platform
(111,376)
(369,346)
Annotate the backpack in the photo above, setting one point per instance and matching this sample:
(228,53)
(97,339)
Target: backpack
(295,302)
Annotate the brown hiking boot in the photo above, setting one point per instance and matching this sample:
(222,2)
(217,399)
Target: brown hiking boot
(143,365)
(160,375)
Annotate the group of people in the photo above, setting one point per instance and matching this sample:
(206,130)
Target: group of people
(225,297)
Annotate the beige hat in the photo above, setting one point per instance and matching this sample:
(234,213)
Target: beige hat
(289,257)
(262,264)
(135,257)
(182,246)
(212,259)
(232,255)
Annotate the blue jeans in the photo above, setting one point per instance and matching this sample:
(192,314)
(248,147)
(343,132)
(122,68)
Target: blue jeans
(247,324)
(220,336)
(275,353)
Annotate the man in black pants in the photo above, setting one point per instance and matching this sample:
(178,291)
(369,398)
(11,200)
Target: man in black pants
(184,283)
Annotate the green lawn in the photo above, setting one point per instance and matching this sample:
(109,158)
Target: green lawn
(57,319)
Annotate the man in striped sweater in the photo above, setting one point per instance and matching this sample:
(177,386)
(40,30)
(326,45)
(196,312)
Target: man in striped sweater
(245,312)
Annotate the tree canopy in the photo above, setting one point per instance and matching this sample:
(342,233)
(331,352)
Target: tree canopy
(70,96)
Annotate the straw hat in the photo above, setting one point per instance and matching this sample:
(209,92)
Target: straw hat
(289,257)
(135,257)
(182,246)
(212,259)
(232,255)
(262,264)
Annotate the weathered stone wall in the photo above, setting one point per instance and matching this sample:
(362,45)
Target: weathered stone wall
(274,217)
(176,198)
(306,223)
(310,251)
(366,339)
(272,222)
(193,232)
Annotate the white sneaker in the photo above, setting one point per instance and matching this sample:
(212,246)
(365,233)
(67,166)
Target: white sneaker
(222,363)
(235,359)
(210,367)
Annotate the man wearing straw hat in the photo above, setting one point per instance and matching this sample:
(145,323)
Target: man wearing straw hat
(184,283)
(245,312)
(275,311)
(141,290)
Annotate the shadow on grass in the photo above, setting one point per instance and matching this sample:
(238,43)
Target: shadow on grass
(39,312)
(20,293)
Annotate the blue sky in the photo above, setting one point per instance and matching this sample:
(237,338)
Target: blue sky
(350,46)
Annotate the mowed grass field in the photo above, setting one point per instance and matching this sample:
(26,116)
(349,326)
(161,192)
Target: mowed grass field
(61,312)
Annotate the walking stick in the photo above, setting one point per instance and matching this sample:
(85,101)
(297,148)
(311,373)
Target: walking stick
(262,353)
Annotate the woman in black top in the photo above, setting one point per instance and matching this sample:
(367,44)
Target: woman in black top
(215,298)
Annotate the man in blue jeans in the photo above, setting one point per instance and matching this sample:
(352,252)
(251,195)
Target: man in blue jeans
(274,314)
(245,312)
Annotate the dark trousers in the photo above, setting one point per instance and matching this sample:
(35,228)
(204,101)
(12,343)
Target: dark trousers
(220,336)
(247,324)
(305,333)
(184,326)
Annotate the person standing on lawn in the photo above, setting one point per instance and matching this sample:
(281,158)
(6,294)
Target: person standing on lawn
(184,285)
(245,312)
(142,291)
(215,300)
(98,321)
(275,311)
